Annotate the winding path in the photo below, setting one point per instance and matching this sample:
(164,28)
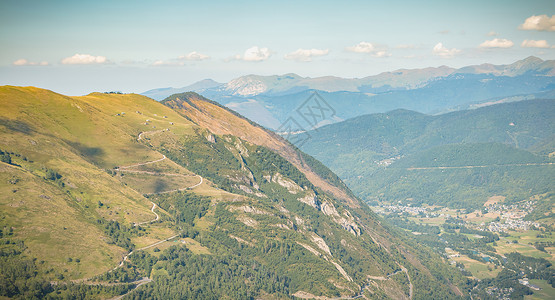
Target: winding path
(151,221)
(145,132)
(142,164)
(138,283)
(146,280)
(125,258)
(176,190)
(388,277)
(473,167)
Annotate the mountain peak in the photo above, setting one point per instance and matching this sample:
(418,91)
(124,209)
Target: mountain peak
(531,63)
(532,59)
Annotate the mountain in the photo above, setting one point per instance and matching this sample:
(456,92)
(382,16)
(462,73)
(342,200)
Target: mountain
(118,194)
(271,100)
(457,159)
(197,86)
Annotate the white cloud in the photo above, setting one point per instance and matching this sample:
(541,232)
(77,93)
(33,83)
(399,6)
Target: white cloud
(20,62)
(534,44)
(181,60)
(444,52)
(497,43)
(382,53)
(405,46)
(306,54)
(161,63)
(362,47)
(256,54)
(372,49)
(24,62)
(194,56)
(492,33)
(84,59)
(541,23)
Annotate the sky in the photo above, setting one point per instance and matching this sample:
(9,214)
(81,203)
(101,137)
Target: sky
(78,47)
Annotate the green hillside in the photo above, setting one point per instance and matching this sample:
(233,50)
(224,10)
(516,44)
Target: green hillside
(476,186)
(112,194)
(507,149)
(461,176)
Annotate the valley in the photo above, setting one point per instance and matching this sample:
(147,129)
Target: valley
(269,150)
(474,185)
(479,242)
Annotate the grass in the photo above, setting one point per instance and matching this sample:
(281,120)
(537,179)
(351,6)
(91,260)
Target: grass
(194,246)
(494,200)
(84,138)
(478,269)
(546,292)
(147,184)
(79,137)
(504,248)
(155,234)
(51,228)
(158,272)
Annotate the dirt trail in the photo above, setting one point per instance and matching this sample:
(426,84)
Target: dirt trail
(175,190)
(142,164)
(144,280)
(472,167)
(146,132)
(151,221)
(125,258)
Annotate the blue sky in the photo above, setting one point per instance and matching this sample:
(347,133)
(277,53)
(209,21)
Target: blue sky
(76,47)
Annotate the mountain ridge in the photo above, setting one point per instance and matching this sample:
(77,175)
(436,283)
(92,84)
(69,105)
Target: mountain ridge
(109,162)
(377,153)
(272,100)
(253,85)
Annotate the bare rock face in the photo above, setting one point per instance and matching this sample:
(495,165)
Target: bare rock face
(287,183)
(249,209)
(329,209)
(211,138)
(248,190)
(346,220)
(310,199)
(348,223)
(320,243)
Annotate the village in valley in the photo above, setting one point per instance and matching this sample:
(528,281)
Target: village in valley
(485,241)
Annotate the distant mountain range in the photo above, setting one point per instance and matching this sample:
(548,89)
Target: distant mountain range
(270,100)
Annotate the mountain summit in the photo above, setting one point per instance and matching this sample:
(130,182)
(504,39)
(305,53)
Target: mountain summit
(271,100)
(253,85)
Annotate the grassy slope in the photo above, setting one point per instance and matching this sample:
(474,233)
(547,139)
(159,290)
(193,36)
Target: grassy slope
(78,137)
(81,137)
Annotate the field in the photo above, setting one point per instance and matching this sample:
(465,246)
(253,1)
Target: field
(547,292)
(521,241)
(478,269)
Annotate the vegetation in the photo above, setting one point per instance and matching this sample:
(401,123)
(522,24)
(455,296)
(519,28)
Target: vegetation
(184,207)
(257,226)
(457,159)
(191,276)
(5,157)
(120,234)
